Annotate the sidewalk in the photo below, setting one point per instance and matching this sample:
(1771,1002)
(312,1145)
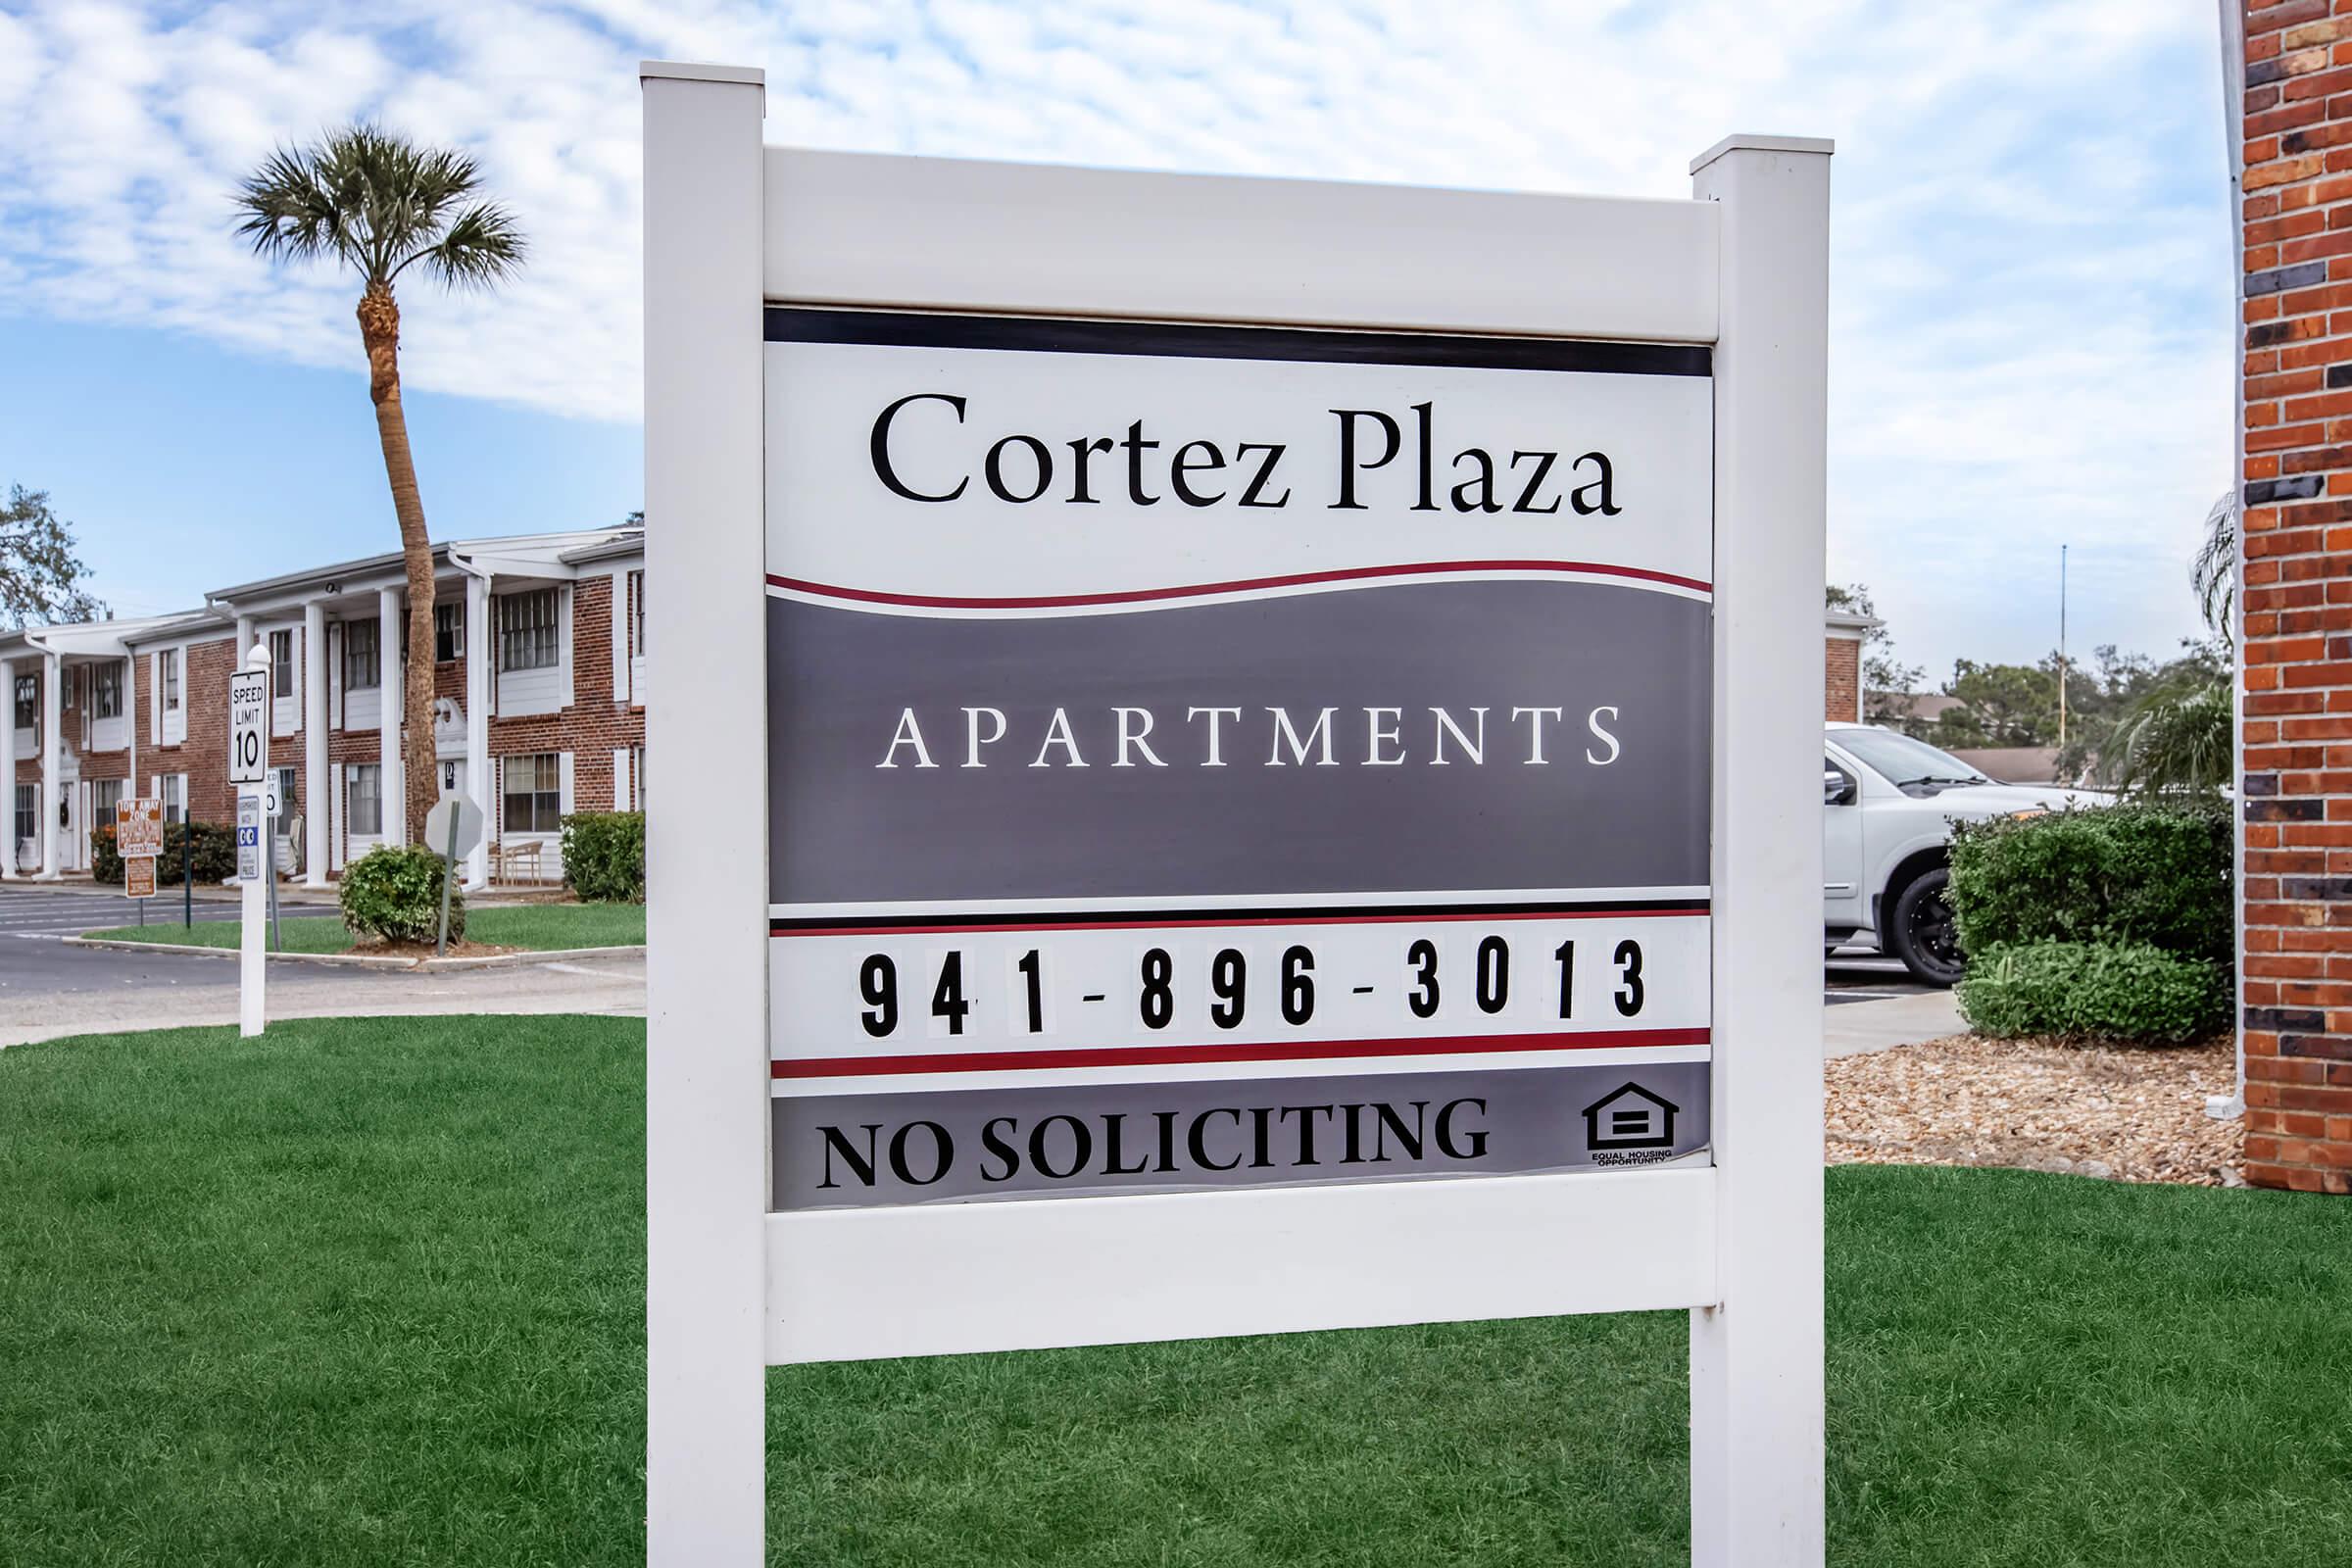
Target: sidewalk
(608,985)
(1852,1028)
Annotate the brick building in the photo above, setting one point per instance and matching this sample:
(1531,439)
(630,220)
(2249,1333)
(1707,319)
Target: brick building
(2290,65)
(1843,635)
(539,673)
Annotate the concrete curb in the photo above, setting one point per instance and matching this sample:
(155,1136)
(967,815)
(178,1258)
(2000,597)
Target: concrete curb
(361,960)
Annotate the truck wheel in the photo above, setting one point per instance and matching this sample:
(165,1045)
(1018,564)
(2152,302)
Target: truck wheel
(1922,933)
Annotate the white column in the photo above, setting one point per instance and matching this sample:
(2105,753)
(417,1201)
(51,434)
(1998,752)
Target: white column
(391,700)
(1756,1384)
(314,790)
(8,769)
(53,672)
(477,722)
(707,1076)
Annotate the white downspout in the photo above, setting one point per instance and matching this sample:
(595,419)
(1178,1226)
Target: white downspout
(2230,1107)
(478,687)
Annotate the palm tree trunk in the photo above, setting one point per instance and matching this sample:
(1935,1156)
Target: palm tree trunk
(379,330)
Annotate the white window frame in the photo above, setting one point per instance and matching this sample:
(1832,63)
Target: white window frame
(549,784)
(113,667)
(455,609)
(554,629)
(372,773)
(356,633)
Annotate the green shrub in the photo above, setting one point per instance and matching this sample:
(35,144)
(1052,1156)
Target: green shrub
(2153,873)
(215,849)
(2094,990)
(396,895)
(216,854)
(604,855)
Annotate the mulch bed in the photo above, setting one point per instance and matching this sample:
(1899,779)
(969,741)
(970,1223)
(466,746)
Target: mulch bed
(2124,1114)
(462,948)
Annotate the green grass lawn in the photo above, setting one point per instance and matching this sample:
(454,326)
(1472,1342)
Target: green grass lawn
(536,927)
(371,1292)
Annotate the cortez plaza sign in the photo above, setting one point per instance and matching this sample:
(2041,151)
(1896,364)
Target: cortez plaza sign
(1281,789)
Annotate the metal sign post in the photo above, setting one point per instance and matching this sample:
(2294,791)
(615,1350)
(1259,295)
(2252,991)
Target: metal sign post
(452,828)
(248,766)
(1277,808)
(271,806)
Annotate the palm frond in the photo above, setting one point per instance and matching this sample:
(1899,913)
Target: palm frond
(482,246)
(290,211)
(2214,572)
(376,201)
(2175,740)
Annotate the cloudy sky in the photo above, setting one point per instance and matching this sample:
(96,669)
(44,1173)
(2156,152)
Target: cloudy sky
(2030,336)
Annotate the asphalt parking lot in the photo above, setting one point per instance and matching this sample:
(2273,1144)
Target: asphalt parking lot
(1866,977)
(35,962)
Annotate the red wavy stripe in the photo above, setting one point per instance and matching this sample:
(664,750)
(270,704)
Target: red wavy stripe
(1197,590)
(1270,1050)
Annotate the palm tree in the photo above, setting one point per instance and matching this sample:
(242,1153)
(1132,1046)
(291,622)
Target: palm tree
(378,203)
(2176,740)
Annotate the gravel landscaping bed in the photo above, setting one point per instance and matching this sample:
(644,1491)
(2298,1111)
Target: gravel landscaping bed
(2126,1113)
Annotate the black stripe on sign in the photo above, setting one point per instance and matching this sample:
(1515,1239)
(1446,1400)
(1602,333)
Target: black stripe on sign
(793,323)
(1256,916)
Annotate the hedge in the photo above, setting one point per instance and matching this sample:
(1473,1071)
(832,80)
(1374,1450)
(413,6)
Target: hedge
(2157,874)
(395,895)
(216,853)
(604,855)
(2094,990)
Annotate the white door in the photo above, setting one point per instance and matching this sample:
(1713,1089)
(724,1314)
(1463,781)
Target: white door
(1842,895)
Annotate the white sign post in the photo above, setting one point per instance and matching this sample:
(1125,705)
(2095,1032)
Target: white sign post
(248,769)
(1285,807)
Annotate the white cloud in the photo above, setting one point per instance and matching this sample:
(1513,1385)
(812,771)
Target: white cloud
(2031,256)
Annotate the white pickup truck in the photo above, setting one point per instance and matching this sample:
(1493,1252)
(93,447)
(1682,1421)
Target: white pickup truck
(1888,805)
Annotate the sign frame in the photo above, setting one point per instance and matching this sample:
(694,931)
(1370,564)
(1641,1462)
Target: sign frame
(731,226)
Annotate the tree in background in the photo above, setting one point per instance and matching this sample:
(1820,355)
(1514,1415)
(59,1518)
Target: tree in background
(41,577)
(378,203)
(1886,681)
(2178,737)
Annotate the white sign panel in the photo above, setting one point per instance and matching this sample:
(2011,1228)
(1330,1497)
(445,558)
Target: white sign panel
(249,837)
(248,726)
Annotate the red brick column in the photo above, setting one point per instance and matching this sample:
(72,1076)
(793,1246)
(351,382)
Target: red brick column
(2296,969)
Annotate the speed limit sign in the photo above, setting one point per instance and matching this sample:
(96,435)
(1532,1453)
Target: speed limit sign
(248,726)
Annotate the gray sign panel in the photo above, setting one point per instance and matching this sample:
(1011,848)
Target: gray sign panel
(1176,750)
(851,1151)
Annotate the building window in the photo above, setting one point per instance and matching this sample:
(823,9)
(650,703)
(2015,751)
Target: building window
(637,613)
(167,664)
(106,690)
(28,810)
(282,664)
(526,630)
(360,664)
(286,803)
(175,796)
(105,795)
(449,632)
(366,800)
(534,793)
(28,701)
(637,776)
